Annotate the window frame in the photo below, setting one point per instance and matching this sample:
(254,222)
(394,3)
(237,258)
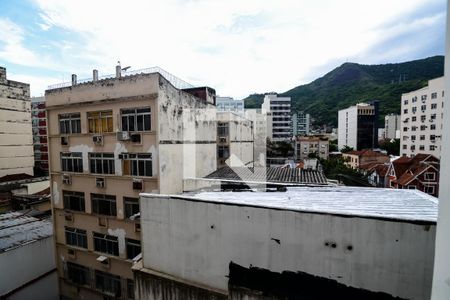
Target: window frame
(70,196)
(134,114)
(103,115)
(104,243)
(131,246)
(99,208)
(81,272)
(107,283)
(71,121)
(137,164)
(129,204)
(71,160)
(102,162)
(426,176)
(79,236)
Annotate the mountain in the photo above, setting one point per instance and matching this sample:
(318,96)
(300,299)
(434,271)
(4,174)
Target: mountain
(352,83)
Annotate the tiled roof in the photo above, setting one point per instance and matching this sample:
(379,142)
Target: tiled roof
(269,174)
(382,169)
(406,168)
(366,153)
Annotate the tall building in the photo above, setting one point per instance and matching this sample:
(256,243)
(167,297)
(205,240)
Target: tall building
(16,140)
(279,110)
(39,125)
(391,126)
(301,123)
(228,104)
(358,126)
(110,140)
(421,114)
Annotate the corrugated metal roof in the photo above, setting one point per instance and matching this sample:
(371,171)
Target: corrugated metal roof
(17,229)
(275,175)
(409,205)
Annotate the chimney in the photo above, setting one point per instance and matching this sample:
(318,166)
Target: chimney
(74,79)
(118,71)
(95,75)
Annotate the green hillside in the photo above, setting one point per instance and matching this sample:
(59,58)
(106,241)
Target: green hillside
(352,83)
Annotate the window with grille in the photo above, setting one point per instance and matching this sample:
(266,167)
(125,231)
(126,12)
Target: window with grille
(78,274)
(136,119)
(130,289)
(104,204)
(222,129)
(107,283)
(69,123)
(76,237)
(131,206)
(223,151)
(106,243)
(101,163)
(73,200)
(100,121)
(72,162)
(137,164)
(133,248)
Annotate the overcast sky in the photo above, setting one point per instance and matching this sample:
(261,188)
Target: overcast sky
(238,47)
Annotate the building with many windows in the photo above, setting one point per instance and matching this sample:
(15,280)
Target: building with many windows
(358,126)
(301,123)
(228,104)
(278,110)
(307,146)
(392,126)
(39,125)
(109,140)
(421,120)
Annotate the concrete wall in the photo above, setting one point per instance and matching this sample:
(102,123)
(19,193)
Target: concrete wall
(16,140)
(198,240)
(26,263)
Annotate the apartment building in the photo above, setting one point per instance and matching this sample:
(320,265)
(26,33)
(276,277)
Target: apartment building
(421,119)
(311,145)
(279,109)
(39,126)
(261,129)
(234,140)
(358,126)
(109,140)
(392,126)
(16,141)
(301,124)
(228,104)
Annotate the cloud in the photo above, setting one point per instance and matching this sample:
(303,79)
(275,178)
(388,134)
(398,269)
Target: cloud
(237,47)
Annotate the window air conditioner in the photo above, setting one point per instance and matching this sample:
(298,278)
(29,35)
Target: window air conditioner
(98,140)
(123,135)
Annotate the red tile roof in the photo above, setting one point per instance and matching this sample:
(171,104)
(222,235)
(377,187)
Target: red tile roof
(365,153)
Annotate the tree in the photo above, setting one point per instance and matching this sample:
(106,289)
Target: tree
(392,147)
(333,146)
(337,169)
(346,149)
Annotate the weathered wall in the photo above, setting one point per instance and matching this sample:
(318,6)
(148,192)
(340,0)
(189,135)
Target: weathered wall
(187,137)
(16,141)
(26,263)
(198,240)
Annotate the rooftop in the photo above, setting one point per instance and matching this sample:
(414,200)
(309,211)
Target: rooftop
(391,204)
(17,229)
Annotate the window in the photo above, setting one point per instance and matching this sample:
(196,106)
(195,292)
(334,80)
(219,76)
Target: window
(130,289)
(136,119)
(423,127)
(414,119)
(432,137)
(433,105)
(133,248)
(137,164)
(100,121)
(433,126)
(423,118)
(106,243)
(223,151)
(413,147)
(73,200)
(414,109)
(103,204)
(405,111)
(404,147)
(422,137)
(424,97)
(76,237)
(101,163)
(433,117)
(69,123)
(131,206)
(430,176)
(423,107)
(72,162)
(405,102)
(414,99)
(413,138)
(78,273)
(432,147)
(107,283)
(222,129)
(429,189)
(433,95)
(421,147)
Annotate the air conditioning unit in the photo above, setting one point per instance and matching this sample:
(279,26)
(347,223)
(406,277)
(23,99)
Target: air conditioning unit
(138,184)
(66,179)
(136,138)
(100,183)
(98,140)
(68,217)
(103,260)
(123,135)
(64,141)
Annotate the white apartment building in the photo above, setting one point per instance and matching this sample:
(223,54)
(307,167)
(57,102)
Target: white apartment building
(421,119)
(279,108)
(228,104)
(391,126)
(357,128)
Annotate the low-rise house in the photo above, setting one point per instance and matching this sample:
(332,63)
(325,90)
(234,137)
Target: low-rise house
(420,172)
(377,174)
(355,159)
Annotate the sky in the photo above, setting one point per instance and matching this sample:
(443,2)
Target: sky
(237,47)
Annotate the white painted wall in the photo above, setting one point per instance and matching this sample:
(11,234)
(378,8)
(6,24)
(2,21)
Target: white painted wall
(197,240)
(348,127)
(441,278)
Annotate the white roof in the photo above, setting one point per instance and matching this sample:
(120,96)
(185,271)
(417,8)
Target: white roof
(409,205)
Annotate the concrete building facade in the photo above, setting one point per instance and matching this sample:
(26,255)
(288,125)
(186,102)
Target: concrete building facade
(357,126)
(301,124)
(261,131)
(392,126)
(228,104)
(279,109)
(308,145)
(16,140)
(422,113)
(39,126)
(110,140)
